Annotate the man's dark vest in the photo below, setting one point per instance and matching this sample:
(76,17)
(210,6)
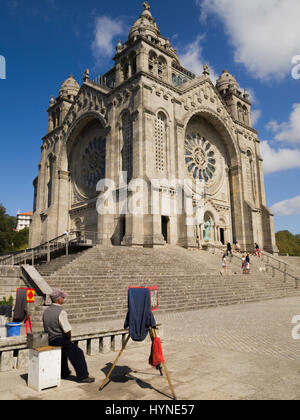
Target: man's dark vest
(51,322)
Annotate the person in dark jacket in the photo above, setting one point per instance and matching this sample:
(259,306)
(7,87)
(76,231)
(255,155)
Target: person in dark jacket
(229,249)
(247,260)
(57,326)
(20,309)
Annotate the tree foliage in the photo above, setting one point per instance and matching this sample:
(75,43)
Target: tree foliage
(288,243)
(10,240)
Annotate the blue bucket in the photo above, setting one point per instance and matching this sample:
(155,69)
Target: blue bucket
(13,329)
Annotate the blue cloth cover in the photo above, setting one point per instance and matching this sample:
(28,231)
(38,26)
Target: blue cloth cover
(140,316)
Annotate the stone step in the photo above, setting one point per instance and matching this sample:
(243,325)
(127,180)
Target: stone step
(97,281)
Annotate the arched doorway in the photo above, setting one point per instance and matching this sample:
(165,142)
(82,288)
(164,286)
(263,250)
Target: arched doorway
(222,236)
(165,224)
(207,156)
(122,228)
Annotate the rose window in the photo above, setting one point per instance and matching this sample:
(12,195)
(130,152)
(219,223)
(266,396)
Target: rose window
(199,157)
(93,163)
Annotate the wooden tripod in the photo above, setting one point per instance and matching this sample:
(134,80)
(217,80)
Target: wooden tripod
(153,333)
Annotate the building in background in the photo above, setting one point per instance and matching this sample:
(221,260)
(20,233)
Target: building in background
(24,220)
(150,117)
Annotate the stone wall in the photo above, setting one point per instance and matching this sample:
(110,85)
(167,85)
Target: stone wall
(10,280)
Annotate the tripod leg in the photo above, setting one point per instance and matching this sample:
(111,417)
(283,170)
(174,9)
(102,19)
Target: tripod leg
(114,365)
(169,381)
(29,321)
(153,331)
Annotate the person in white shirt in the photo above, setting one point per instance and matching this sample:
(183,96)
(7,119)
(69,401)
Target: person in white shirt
(57,325)
(224,263)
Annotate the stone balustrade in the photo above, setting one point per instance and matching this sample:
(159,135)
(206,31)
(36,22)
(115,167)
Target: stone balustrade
(14,352)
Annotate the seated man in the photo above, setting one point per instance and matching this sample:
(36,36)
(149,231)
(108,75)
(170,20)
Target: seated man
(57,326)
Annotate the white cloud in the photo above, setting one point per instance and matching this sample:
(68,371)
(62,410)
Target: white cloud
(106,32)
(279,160)
(191,57)
(253,97)
(288,132)
(255,116)
(265,34)
(287,207)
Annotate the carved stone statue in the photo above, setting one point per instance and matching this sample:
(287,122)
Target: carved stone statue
(206,69)
(207,227)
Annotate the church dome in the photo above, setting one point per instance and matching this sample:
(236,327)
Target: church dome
(145,24)
(69,87)
(225,80)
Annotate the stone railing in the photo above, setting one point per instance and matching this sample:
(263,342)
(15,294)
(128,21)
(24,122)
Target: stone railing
(14,352)
(46,251)
(271,260)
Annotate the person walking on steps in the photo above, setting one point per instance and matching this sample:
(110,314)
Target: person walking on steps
(238,247)
(57,326)
(198,243)
(257,250)
(229,249)
(247,260)
(244,264)
(224,264)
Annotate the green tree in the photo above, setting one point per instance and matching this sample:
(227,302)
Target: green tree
(20,239)
(7,226)
(288,243)
(10,240)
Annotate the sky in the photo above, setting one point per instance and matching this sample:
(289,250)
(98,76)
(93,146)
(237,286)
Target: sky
(42,42)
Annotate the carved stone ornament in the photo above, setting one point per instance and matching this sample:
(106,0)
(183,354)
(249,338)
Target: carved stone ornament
(199,158)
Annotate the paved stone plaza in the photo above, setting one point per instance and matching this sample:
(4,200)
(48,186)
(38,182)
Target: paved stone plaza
(234,352)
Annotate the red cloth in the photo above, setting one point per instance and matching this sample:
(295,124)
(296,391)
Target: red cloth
(156,357)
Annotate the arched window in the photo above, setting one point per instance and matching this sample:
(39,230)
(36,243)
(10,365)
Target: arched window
(50,172)
(245,115)
(162,68)
(53,117)
(240,113)
(125,69)
(127,149)
(174,79)
(161,142)
(152,62)
(133,63)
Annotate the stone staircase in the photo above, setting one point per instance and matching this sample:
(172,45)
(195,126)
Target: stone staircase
(97,281)
(47,269)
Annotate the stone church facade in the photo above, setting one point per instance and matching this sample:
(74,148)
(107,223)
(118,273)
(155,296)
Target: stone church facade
(153,119)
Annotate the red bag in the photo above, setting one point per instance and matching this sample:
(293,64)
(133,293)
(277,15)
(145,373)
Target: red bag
(156,357)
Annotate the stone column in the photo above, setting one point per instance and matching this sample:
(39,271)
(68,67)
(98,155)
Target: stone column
(237,204)
(135,222)
(63,194)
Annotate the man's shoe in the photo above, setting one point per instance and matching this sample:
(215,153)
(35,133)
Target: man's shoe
(87,380)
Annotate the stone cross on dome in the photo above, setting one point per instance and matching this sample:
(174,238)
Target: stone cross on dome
(146,5)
